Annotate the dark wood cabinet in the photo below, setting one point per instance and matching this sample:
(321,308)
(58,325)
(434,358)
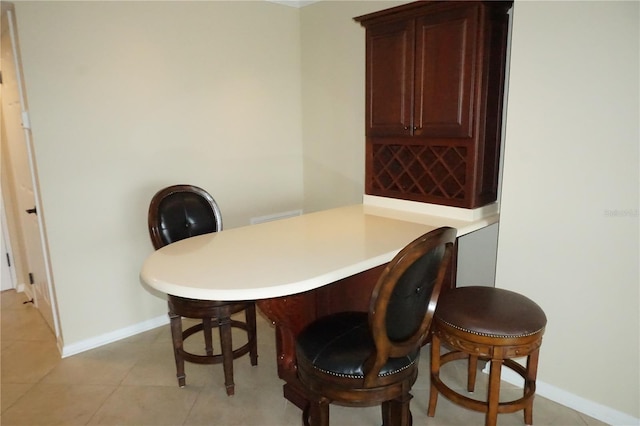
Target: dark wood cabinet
(389,79)
(434,97)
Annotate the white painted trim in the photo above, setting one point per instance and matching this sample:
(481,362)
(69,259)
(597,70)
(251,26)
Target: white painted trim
(8,249)
(456,213)
(113,336)
(598,411)
(26,289)
(293,3)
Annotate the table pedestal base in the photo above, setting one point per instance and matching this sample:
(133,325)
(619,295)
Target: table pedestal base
(290,314)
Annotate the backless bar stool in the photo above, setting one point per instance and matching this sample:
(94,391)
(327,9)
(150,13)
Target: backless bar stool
(491,324)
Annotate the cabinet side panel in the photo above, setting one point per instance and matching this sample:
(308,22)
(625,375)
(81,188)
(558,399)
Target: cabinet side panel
(496,42)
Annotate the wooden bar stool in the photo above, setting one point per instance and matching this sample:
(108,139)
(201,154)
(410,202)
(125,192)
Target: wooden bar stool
(178,212)
(491,324)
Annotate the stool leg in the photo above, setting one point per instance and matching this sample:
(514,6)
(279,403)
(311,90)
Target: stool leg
(226,346)
(253,335)
(530,380)
(176,337)
(435,374)
(494,393)
(471,373)
(208,338)
(397,411)
(318,413)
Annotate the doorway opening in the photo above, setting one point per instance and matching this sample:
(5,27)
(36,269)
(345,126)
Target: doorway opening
(24,234)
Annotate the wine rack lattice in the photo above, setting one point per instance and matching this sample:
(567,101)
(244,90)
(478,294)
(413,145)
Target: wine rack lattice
(421,170)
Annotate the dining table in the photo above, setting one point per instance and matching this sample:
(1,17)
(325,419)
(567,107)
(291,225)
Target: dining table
(303,267)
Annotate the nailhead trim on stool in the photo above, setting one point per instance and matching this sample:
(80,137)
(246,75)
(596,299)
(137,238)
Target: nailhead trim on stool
(492,324)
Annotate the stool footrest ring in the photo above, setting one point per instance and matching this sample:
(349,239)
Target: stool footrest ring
(215,358)
(478,405)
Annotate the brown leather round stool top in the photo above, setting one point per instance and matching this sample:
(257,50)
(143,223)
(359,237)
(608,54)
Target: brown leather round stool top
(490,324)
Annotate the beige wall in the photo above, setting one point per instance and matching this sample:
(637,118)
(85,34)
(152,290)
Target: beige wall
(128,97)
(571,162)
(333,60)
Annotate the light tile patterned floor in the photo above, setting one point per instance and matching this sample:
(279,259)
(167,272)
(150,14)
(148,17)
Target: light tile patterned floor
(132,382)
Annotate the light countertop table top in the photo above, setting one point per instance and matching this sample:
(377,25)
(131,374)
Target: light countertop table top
(290,256)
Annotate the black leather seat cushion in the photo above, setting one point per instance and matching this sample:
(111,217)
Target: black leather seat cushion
(183,215)
(489,311)
(339,344)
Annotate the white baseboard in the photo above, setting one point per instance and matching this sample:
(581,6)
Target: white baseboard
(26,289)
(593,409)
(123,333)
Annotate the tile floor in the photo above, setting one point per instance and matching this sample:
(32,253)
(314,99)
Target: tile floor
(132,382)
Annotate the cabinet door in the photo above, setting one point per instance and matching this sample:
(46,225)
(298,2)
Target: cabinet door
(446,51)
(390,79)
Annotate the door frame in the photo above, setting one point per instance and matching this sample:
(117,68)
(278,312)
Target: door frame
(9,197)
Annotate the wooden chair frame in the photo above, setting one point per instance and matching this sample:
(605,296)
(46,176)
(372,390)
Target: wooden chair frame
(392,391)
